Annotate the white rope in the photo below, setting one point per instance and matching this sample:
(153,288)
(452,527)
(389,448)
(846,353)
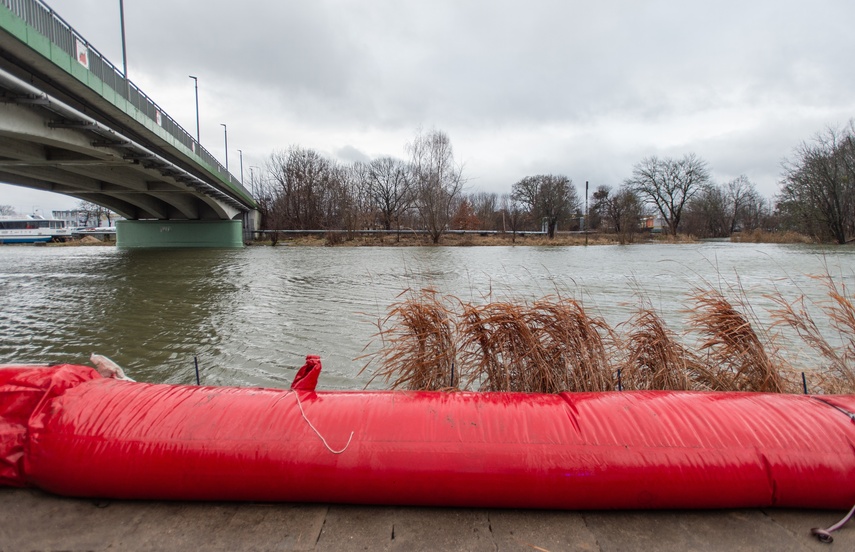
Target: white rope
(825,534)
(318,433)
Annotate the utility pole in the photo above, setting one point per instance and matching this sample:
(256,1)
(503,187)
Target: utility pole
(586,213)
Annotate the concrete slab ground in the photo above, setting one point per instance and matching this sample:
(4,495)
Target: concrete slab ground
(31,520)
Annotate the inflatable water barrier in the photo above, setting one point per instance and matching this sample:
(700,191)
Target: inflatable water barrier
(69,431)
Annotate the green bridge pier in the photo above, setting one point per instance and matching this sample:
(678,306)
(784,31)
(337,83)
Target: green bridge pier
(178,233)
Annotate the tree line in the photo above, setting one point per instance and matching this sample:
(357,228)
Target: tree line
(304,190)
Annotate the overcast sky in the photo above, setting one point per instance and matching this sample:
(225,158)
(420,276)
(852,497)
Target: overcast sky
(585,89)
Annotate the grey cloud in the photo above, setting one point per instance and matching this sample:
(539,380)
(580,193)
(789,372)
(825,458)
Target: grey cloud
(351,154)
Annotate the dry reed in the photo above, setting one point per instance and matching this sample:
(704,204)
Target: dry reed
(654,358)
(574,344)
(762,236)
(547,347)
(433,342)
(839,373)
(419,350)
(736,357)
(500,351)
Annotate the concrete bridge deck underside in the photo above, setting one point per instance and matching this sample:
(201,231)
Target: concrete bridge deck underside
(40,148)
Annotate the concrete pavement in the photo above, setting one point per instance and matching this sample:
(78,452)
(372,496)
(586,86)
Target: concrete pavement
(31,520)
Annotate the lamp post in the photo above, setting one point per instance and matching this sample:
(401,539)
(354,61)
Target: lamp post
(252,179)
(226,136)
(196,84)
(124,49)
(240,152)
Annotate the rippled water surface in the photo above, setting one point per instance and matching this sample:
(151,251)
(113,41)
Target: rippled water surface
(252,315)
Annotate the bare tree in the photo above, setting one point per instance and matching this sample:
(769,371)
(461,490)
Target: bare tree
(305,191)
(707,213)
(437,180)
(341,202)
(598,213)
(668,184)
(719,211)
(740,195)
(756,213)
(619,212)
(6,210)
(365,213)
(819,184)
(596,216)
(93,213)
(486,209)
(389,187)
(513,215)
(547,197)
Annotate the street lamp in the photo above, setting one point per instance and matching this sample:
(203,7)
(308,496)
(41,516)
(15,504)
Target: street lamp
(226,136)
(240,151)
(252,178)
(196,83)
(124,50)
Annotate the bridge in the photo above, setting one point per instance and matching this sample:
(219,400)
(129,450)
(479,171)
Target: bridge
(72,123)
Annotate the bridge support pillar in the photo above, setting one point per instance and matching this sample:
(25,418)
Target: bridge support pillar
(178,233)
(251,225)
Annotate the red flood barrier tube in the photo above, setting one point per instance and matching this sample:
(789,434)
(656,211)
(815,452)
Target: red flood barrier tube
(68,431)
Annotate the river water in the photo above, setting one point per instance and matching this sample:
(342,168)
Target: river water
(250,316)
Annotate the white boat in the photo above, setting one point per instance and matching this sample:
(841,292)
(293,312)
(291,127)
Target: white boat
(104,233)
(32,229)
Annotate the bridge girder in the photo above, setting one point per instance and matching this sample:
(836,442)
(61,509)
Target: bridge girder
(43,149)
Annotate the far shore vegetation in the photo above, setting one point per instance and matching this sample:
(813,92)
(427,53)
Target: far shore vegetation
(475,239)
(428,189)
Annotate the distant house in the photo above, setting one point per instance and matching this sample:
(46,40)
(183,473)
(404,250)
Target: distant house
(652,223)
(79,218)
(72,219)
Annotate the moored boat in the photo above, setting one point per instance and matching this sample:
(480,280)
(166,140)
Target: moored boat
(32,229)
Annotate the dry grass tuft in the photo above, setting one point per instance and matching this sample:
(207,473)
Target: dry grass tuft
(547,347)
(839,373)
(500,350)
(655,359)
(419,350)
(762,236)
(574,344)
(736,357)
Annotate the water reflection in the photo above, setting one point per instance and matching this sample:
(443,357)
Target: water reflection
(168,307)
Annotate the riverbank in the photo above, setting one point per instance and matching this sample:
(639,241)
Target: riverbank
(418,240)
(464,239)
(481,240)
(451,240)
(474,239)
(35,520)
